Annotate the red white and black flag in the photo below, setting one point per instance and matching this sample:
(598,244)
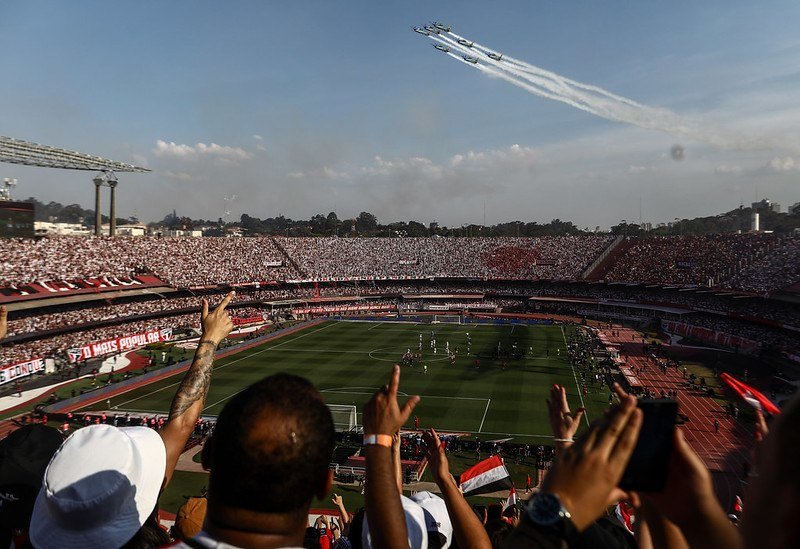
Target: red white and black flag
(512,499)
(489,475)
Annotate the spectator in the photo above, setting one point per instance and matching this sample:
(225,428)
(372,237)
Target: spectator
(24,455)
(384,526)
(463,523)
(268,457)
(101,487)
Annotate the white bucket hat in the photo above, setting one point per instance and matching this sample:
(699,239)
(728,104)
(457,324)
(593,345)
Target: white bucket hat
(437,520)
(99,488)
(415,525)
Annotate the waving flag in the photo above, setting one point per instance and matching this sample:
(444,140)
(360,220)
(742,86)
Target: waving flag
(512,499)
(489,475)
(752,396)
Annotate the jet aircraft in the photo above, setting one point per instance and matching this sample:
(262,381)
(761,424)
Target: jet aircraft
(440,47)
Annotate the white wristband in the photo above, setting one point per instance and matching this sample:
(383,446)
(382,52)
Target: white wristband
(563,440)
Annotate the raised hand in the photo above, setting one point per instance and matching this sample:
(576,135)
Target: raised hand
(586,476)
(437,458)
(217,324)
(563,423)
(382,414)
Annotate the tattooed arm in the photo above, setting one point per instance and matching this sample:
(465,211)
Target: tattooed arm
(191,395)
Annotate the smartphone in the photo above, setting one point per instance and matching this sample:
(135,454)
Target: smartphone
(647,468)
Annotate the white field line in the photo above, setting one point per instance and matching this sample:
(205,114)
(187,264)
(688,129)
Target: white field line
(373,327)
(226,364)
(575,377)
(488,401)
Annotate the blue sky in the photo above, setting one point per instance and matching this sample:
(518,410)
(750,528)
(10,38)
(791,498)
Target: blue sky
(315,106)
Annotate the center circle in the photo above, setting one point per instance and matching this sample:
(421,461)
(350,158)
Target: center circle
(402,350)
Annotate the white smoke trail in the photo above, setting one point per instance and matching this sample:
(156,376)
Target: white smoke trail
(601,102)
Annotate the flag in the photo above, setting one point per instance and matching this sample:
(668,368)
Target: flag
(489,475)
(752,396)
(738,507)
(624,513)
(512,499)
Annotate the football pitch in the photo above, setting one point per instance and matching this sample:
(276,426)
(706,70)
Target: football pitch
(348,361)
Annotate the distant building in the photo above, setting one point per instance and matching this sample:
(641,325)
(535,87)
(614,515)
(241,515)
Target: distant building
(131,230)
(765,204)
(795,208)
(45,228)
(16,219)
(194,233)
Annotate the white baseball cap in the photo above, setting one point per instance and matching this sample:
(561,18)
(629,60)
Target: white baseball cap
(99,488)
(437,520)
(415,524)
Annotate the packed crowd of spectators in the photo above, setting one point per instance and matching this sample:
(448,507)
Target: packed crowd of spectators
(752,262)
(57,346)
(183,262)
(689,260)
(562,258)
(775,270)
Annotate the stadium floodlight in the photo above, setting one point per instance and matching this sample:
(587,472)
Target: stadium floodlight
(17,151)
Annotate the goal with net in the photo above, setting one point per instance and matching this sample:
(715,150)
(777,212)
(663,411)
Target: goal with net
(344,417)
(447,319)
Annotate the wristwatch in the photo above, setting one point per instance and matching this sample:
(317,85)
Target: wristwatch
(546,510)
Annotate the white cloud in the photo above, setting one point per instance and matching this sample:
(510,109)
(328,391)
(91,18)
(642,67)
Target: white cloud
(181,151)
(724,169)
(180,176)
(258,137)
(322,173)
(785,164)
(635,170)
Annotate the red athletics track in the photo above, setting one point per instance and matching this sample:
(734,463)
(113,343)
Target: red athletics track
(724,452)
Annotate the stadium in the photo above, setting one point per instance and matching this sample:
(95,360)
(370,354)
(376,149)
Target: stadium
(298,377)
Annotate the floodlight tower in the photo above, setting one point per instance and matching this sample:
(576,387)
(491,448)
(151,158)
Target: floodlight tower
(98,180)
(111,179)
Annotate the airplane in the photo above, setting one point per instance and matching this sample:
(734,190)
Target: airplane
(421,31)
(441,48)
(470,59)
(495,56)
(464,42)
(431,29)
(445,28)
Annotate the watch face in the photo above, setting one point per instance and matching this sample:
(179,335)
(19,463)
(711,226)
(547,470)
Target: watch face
(545,509)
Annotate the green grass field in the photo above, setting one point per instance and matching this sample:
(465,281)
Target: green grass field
(347,361)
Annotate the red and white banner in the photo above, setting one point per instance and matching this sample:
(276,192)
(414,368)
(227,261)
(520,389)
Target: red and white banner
(344,309)
(20,369)
(119,345)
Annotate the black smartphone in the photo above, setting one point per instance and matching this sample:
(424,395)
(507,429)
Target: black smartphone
(647,468)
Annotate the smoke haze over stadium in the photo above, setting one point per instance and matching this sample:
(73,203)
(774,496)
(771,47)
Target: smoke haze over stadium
(319,106)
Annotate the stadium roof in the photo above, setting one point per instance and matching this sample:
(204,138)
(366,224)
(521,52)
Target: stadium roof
(16,151)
